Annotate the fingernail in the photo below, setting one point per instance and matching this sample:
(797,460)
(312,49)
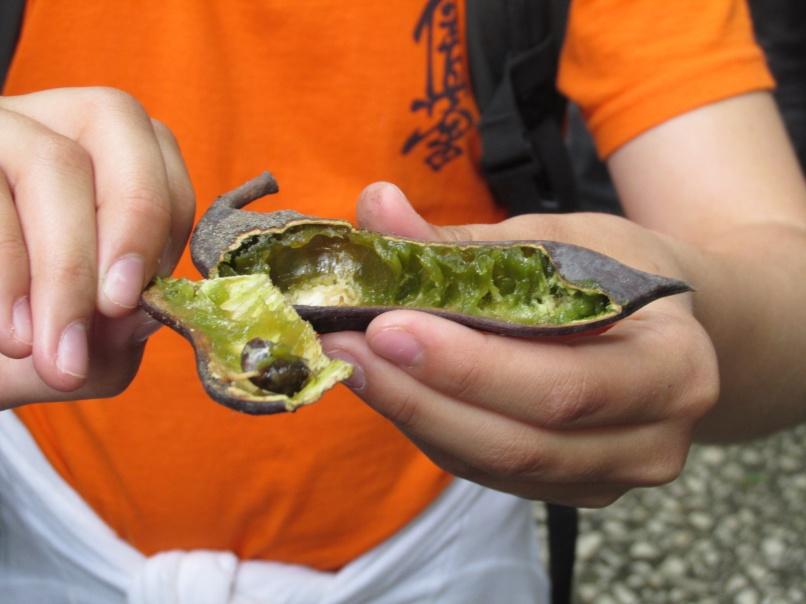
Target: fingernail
(398,346)
(21,322)
(72,356)
(357,380)
(124,281)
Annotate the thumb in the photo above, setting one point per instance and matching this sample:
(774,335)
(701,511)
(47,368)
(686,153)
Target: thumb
(384,208)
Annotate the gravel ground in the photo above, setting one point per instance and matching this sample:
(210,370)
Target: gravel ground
(732,528)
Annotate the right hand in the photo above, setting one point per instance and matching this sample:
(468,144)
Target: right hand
(95,200)
(576,421)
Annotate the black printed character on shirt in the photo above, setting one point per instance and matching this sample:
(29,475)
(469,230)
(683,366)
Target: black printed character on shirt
(446,87)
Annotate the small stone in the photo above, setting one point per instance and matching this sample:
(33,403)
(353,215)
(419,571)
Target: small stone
(657,527)
(730,524)
(798,482)
(681,539)
(602,567)
(711,558)
(644,551)
(758,573)
(713,456)
(747,516)
(735,583)
(587,593)
(588,545)
(624,595)
(635,582)
(614,528)
(674,567)
(695,484)
(701,521)
(698,588)
(671,506)
(773,549)
(732,472)
(746,596)
(656,581)
(640,515)
(745,551)
(790,464)
(751,457)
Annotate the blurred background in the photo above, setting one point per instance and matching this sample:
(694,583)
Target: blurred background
(732,528)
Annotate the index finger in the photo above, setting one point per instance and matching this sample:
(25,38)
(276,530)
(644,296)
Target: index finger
(641,371)
(502,452)
(133,197)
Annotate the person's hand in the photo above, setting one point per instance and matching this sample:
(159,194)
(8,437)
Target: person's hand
(576,421)
(94,200)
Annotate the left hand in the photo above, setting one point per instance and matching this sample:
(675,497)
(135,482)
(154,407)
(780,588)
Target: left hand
(573,421)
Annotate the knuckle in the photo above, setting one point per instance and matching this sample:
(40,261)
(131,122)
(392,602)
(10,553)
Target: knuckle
(547,225)
(403,412)
(76,271)
(458,233)
(147,202)
(496,465)
(61,153)
(664,473)
(471,465)
(663,470)
(12,250)
(569,399)
(514,460)
(106,98)
(467,379)
(185,206)
(697,388)
(590,469)
(164,133)
(704,384)
(183,197)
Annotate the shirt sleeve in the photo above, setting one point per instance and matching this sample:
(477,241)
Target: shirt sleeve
(633,64)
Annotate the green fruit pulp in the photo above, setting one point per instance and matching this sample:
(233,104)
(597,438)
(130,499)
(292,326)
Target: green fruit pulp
(224,314)
(331,265)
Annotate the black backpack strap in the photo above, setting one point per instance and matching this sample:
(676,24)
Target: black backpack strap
(10,21)
(563,527)
(513,51)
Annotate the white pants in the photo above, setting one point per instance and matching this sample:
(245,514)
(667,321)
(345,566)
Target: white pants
(471,546)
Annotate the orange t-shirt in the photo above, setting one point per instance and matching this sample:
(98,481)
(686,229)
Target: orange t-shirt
(633,64)
(330,96)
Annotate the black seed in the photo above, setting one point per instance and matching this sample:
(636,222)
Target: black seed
(278,370)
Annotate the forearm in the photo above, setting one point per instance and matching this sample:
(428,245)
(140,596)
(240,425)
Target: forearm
(722,184)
